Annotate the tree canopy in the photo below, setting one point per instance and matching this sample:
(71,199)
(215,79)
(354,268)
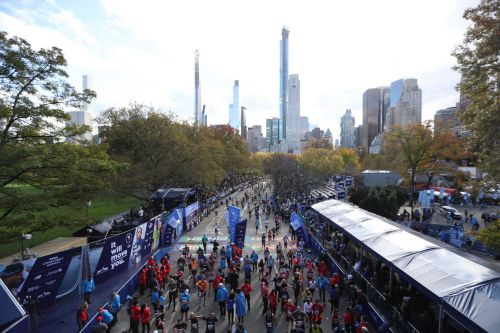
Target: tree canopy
(38,168)
(160,150)
(478,63)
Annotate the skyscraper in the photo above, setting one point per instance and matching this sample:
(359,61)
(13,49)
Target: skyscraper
(283,83)
(304,126)
(272,131)
(198,118)
(347,135)
(234,108)
(406,103)
(293,116)
(254,138)
(375,105)
(358,136)
(243,123)
(83,116)
(445,119)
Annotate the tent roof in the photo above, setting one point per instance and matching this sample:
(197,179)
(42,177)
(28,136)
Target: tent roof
(466,286)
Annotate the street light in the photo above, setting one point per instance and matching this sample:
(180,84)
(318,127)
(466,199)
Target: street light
(23,238)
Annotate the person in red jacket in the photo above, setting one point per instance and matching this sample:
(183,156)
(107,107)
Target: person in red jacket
(362,323)
(143,281)
(289,310)
(273,301)
(151,262)
(317,311)
(246,288)
(215,284)
(145,317)
(348,320)
(82,315)
(322,268)
(135,315)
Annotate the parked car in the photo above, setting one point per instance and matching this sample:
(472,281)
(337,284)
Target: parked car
(453,212)
(489,217)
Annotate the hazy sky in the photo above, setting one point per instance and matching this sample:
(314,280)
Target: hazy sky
(144,51)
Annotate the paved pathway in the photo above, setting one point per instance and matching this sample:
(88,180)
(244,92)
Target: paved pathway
(254,321)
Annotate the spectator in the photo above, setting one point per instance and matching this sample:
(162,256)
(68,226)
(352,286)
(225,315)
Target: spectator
(82,315)
(88,288)
(145,317)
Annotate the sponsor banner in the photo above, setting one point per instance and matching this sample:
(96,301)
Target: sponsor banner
(340,195)
(157,221)
(142,244)
(170,226)
(45,277)
(348,181)
(233,219)
(241,229)
(299,227)
(190,214)
(114,256)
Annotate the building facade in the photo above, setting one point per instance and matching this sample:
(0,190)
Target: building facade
(347,125)
(234,108)
(243,123)
(283,102)
(405,104)
(293,116)
(254,138)
(358,136)
(304,126)
(198,117)
(83,116)
(446,119)
(272,131)
(375,105)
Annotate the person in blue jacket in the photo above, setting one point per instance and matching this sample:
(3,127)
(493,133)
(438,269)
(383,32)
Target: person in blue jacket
(105,317)
(241,306)
(114,305)
(322,283)
(255,258)
(222,296)
(88,287)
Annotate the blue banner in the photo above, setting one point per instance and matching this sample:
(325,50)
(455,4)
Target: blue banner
(233,219)
(348,181)
(114,256)
(190,214)
(299,227)
(142,244)
(170,225)
(45,277)
(241,229)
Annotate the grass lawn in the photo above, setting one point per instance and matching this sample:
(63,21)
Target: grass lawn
(101,208)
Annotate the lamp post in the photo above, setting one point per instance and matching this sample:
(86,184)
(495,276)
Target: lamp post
(23,238)
(88,204)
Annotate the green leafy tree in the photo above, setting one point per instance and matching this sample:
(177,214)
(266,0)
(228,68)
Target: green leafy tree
(490,235)
(383,201)
(38,168)
(478,63)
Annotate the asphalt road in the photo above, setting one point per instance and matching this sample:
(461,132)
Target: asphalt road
(254,321)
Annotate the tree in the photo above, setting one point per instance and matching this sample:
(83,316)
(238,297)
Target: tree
(350,160)
(161,151)
(490,235)
(383,201)
(321,162)
(286,173)
(414,144)
(319,143)
(479,65)
(38,168)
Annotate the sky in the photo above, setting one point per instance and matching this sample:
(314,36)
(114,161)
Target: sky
(143,51)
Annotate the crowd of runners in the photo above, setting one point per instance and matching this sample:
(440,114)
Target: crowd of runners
(291,283)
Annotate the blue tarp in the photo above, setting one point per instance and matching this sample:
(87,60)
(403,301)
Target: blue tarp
(469,288)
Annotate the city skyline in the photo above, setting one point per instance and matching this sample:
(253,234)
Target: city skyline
(135,55)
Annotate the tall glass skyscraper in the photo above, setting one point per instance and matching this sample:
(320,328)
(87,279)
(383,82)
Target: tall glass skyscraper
(347,125)
(375,105)
(293,115)
(406,104)
(234,108)
(198,118)
(283,82)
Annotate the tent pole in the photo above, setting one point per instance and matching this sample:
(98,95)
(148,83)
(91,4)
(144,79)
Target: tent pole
(440,322)
(390,281)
